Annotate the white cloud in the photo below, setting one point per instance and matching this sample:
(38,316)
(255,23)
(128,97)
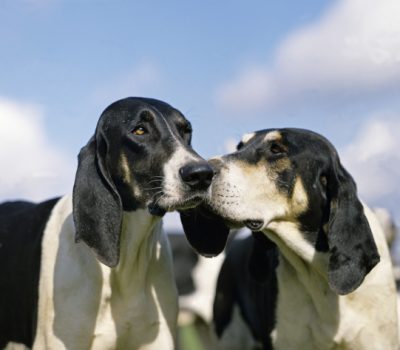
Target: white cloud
(352,48)
(251,89)
(373,159)
(32,167)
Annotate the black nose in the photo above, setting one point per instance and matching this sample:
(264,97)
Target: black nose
(197,176)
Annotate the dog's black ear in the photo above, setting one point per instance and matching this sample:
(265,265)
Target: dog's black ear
(263,258)
(205,231)
(352,248)
(97,208)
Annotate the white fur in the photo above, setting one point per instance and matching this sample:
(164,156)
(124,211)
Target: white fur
(205,275)
(86,305)
(15,346)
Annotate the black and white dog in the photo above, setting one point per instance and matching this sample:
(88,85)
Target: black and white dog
(93,270)
(328,279)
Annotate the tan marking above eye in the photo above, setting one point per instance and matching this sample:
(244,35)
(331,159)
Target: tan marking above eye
(273,136)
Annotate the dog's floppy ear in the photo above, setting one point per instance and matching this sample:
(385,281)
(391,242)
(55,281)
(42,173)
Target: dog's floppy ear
(205,231)
(97,208)
(352,248)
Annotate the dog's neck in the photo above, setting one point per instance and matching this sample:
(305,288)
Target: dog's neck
(139,244)
(302,276)
(296,249)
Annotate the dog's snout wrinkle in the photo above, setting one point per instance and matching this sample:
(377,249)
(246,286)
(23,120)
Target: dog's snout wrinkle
(197,175)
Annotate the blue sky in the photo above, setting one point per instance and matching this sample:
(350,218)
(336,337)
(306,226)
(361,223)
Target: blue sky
(75,57)
(230,67)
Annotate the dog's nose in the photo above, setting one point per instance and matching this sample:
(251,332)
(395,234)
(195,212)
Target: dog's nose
(197,176)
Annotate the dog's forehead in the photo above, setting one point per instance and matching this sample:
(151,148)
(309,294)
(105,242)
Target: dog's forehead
(174,116)
(131,108)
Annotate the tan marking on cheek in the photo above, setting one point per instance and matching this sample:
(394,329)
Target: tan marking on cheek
(136,191)
(282,165)
(126,171)
(127,176)
(299,197)
(262,179)
(247,137)
(250,170)
(273,136)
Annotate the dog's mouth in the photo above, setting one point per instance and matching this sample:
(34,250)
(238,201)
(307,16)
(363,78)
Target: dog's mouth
(236,223)
(188,203)
(254,225)
(183,204)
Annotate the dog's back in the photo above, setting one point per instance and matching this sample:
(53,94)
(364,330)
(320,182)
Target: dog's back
(21,230)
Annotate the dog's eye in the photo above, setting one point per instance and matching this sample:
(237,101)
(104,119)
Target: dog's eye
(239,145)
(277,149)
(139,130)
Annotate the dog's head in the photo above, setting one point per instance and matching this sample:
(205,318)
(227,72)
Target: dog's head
(139,157)
(293,175)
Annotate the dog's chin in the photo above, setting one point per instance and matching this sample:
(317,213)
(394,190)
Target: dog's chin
(233,222)
(159,209)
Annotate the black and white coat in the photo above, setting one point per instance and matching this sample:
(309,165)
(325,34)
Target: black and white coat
(93,270)
(320,254)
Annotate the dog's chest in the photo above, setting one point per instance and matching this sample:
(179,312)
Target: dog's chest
(128,320)
(306,311)
(86,305)
(311,316)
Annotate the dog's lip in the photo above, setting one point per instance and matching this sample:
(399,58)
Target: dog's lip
(186,203)
(189,202)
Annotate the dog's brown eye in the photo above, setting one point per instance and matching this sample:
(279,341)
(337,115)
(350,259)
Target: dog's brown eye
(277,149)
(139,130)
